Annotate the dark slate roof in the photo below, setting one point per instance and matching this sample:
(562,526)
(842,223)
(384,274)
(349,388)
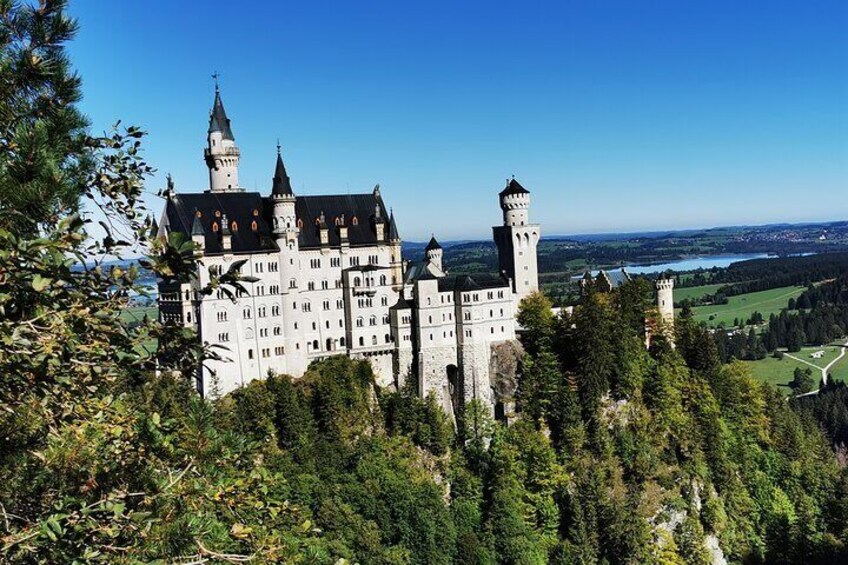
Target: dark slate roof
(401,304)
(241,209)
(360,206)
(393,231)
(218,120)
(433,244)
(616,278)
(282,184)
(465,283)
(513,187)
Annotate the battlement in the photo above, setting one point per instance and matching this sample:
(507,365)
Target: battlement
(664,284)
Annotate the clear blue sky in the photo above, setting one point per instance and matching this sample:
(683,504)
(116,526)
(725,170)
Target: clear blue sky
(618,116)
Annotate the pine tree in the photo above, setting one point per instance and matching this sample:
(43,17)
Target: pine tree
(44,150)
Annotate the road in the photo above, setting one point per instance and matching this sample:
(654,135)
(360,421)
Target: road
(823,370)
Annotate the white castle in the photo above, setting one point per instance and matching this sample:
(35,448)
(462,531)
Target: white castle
(331,281)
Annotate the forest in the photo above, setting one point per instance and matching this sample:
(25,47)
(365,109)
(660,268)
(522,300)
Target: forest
(616,454)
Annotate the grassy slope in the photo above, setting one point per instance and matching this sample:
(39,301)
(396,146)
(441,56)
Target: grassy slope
(780,371)
(766,302)
(694,292)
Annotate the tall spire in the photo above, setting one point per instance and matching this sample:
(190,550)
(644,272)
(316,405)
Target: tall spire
(218,120)
(393,231)
(282,183)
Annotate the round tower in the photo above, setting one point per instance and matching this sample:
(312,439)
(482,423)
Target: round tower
(433,253)
(517,240)
(221,153)
(665,301)
(515,203)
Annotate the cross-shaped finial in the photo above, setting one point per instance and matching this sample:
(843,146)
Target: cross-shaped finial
(278,146)
(215,76)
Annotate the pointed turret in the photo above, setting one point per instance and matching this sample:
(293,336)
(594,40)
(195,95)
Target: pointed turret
(218,121)
(221,153)
(393,231)
(198,235)
(433,253)
(282,183)
(197,226)
(433,244)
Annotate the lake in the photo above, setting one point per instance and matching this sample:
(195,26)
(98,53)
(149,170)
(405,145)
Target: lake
(689,264)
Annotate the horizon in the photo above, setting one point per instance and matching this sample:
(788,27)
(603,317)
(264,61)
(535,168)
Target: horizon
(689,118)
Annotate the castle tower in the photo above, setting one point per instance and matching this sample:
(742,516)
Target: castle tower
(284,200)
(433,253)
(665,305)
(396,263)
(517,239)
(221,153)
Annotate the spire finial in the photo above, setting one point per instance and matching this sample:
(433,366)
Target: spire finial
(278,146)
(215,76)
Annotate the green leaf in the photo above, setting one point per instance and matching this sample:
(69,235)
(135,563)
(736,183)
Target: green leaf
(39,283)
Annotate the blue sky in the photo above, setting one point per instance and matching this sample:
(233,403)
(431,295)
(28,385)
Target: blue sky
(617,116)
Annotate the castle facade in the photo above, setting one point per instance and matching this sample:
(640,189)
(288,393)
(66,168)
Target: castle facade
(330,280)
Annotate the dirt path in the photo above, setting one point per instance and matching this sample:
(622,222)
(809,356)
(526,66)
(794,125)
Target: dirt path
(824,369)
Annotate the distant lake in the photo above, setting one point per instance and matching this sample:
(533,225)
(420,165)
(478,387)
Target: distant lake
(690,264)
(694,263)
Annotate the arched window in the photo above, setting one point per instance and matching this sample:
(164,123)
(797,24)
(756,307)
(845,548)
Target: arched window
(234,225)
(382,280)
(357,281)
(361,341)
(254,226)
(300,224)
(388,338)
(360,322)
(215,226)
(355,221)
(315,344)
(373,321)
(342,342)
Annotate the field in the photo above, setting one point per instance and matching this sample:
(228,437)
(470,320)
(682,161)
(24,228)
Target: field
(765,302)
(779,372)
(136,313)
(695,292)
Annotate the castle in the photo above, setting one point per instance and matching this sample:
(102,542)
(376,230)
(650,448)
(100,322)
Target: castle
(330,280)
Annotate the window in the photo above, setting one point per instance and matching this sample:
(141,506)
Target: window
(311,285)
(339,304)
(258,267)
(250,354)
(315,263)
(260,312)
(263,332)
(279,351)
(325,285)
(275,289)
(335,262)
(384,301)
(372,321)
(467,316)
(354,261)
(314,326)
(382,280)
(222,316)
(315,345)
(357,281)
(260,290)
(307,307)
(361,341)
(292,283)
(273,266)
(373,340)
(388,338)
(266,352)
(247,313)
(360,322)
(278,330)
(275,310)
(223,337)
(326,305)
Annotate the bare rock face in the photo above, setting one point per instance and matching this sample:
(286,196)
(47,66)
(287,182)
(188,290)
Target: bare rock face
(504,364)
